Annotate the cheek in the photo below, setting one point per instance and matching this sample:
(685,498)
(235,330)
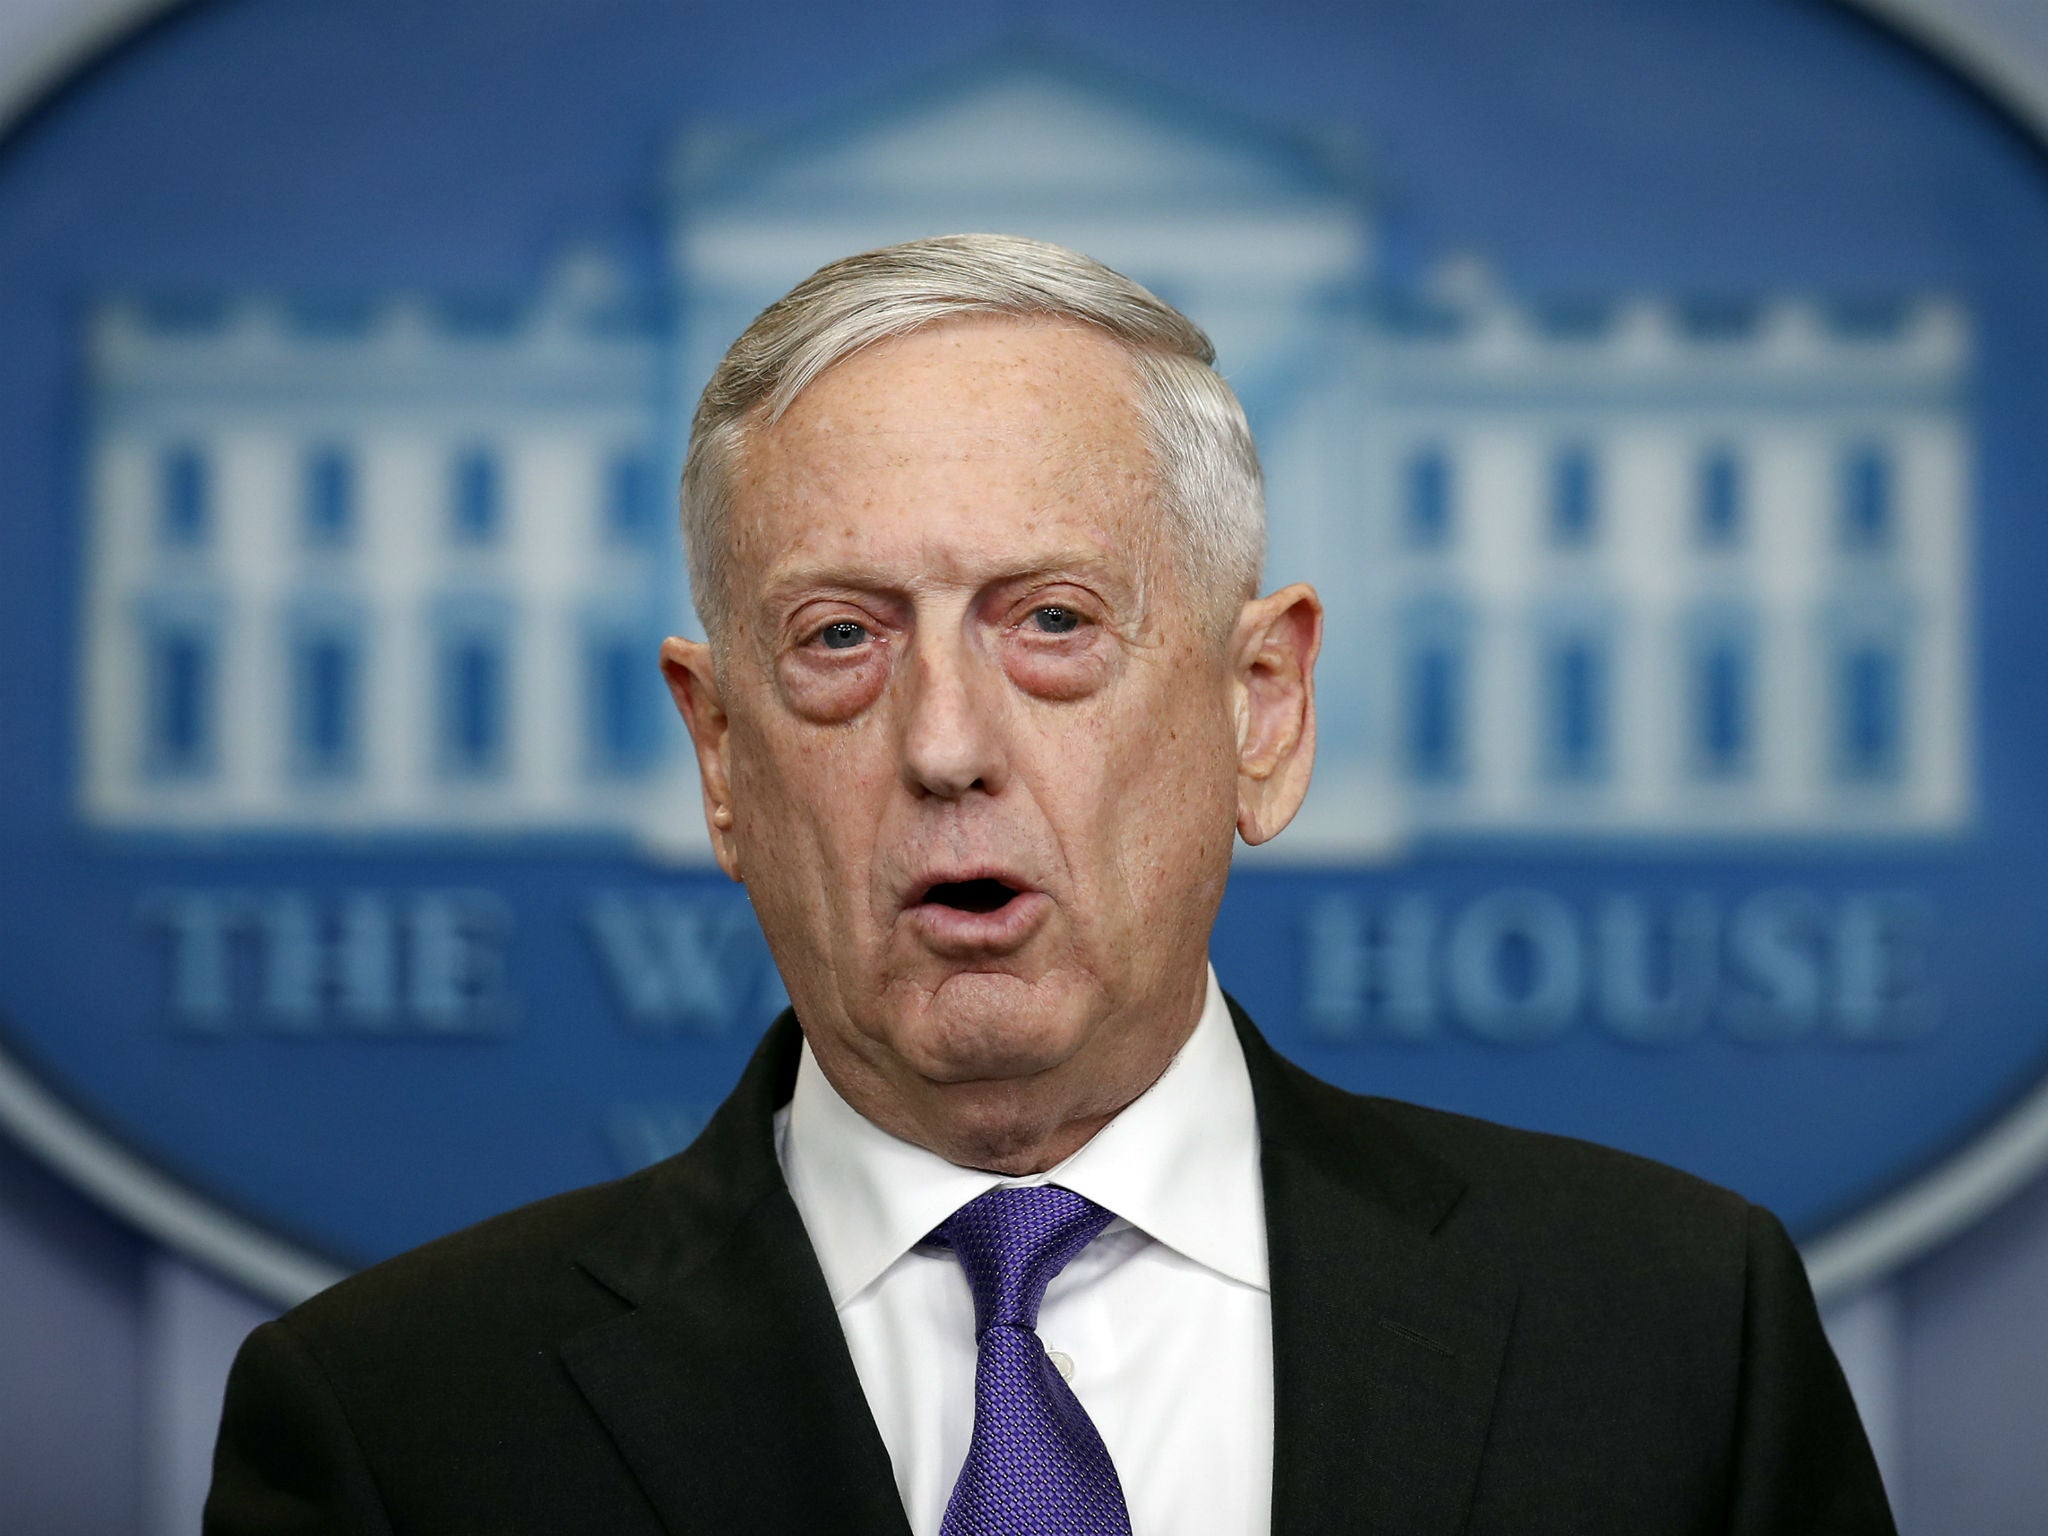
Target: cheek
(1177,806)
(798,798)
(1161,803)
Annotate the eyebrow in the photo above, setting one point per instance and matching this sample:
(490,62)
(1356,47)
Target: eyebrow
(839,576)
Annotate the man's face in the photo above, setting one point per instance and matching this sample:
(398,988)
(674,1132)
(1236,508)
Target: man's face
(978,749)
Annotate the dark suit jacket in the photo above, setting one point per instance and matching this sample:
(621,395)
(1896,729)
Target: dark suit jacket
(1475,1330)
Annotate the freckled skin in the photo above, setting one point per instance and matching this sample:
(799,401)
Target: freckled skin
(959,645)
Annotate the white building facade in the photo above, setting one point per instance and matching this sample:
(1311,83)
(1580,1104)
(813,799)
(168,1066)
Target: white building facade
(388,569)
(1629,566)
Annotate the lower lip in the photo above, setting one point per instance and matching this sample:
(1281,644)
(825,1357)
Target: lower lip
(951,931)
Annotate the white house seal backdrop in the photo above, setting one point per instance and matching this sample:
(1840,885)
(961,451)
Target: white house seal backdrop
(1646,389)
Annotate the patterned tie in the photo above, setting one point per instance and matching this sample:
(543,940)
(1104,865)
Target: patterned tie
(1036,1466)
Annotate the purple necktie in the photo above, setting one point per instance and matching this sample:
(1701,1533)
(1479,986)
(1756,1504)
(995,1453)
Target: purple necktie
(1036,1466)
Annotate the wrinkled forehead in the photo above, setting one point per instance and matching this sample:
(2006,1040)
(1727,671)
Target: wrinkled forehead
(973,376)
(1029,428)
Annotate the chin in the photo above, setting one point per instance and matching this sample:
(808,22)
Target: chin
(991,1030)
(991,1051)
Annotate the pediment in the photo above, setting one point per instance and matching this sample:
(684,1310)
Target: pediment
(1031,122)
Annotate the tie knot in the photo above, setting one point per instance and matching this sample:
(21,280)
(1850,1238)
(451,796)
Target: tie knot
(1012,1241)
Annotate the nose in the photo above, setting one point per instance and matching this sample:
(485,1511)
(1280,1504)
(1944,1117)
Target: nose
(952,734)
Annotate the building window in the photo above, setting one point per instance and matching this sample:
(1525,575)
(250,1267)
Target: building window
(1720,499)
(478,497)
(1869,516)
(1721,708)
(1426,499)
(183,664)
(1574,497)
(624,707)
(1869,713)
(326,703)
(1575,712)
(184,498)
(473,724)
(330,506)
(632,503)
(1433,712)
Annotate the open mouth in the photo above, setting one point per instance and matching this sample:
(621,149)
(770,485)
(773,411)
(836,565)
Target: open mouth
(971,895)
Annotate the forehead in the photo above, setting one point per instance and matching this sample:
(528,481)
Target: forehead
(973,372)
(1011,432)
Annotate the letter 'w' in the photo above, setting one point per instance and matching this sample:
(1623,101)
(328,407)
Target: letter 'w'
(681,966)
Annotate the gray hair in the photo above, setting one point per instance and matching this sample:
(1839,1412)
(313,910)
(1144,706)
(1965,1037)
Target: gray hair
(1208,467)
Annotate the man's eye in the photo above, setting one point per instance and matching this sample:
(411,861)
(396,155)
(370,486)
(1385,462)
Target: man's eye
(1055,620)
(843,635)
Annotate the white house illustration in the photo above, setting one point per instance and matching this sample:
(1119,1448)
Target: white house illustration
(1631,564)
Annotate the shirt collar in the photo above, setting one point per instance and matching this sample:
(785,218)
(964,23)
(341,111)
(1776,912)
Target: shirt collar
(1181,1163)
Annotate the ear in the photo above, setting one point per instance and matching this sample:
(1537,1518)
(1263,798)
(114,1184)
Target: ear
(1273,659)
(693,683)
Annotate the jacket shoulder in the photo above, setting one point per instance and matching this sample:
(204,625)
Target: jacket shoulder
(1545,1167)
(1453,1174)
(1561,1205)
(514,1273)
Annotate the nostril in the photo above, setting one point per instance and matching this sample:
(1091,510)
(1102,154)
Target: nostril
(971,895)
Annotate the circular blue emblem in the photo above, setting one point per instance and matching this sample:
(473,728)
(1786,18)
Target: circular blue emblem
(1652,392)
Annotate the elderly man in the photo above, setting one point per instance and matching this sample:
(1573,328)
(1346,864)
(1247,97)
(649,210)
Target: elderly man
(1015,1224)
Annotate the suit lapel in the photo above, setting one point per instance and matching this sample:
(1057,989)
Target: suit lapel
(1387,1334)
(728,1387)
(729,1391)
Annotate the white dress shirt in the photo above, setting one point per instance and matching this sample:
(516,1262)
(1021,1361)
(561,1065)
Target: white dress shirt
(1164,1321)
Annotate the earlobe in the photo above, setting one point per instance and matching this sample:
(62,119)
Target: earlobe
(1278,638)
(692,678)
